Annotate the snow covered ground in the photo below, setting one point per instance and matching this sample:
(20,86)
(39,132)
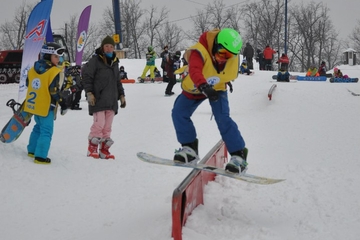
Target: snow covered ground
(308,134)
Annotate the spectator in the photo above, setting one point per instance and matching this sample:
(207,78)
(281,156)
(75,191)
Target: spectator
(101,81)
(123,74)
(244,69)
(248,54)
(268,57)
(283,75)
(338,74)
(284,61)
(163,56)
(171,65)
(260,59)
(322,69)
(312,71)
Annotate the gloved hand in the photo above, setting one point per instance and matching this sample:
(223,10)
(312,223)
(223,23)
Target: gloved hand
(122,101)
(91,98)
(208,91)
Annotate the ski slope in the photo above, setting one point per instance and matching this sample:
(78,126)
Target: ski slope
(308,134)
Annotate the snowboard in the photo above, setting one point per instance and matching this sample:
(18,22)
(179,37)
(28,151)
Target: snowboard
(245,74)
(148,79)
(203,167)
(305,78)
(328,75)
(343,80)
(17,122)
(292,77)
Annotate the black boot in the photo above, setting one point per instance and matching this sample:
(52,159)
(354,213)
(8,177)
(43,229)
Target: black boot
(40,160)
(237,161)
(188,152)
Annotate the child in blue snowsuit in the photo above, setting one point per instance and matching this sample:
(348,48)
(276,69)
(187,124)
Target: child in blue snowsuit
(43,96)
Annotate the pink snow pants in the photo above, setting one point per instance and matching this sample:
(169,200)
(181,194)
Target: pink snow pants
(101,127)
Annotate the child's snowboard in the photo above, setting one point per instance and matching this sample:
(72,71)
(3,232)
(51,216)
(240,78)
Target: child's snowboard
(17,122)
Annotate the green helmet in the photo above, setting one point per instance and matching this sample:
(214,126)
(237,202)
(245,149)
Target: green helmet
(230,40)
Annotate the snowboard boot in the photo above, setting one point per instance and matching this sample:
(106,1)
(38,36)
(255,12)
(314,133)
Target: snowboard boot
(31,155)
(93,147)
(169,94)
(188,153)
(104,149)
(141,80)
(152,80)
(40,160)
(237,163)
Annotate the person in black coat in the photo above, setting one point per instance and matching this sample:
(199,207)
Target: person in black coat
(170,66)
(104,90)
(164,54)
(260,59)
(248,54)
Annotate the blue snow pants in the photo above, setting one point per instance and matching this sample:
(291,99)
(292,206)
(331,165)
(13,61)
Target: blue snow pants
(40,137)
(185,129)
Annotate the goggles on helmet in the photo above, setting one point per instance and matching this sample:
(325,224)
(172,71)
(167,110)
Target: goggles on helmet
(222,54)
(51,50)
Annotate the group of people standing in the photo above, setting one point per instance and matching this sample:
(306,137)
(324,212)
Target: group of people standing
(213,62)
(170,62)
(101,83)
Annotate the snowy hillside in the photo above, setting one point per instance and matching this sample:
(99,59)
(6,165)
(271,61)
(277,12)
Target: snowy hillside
(308,134)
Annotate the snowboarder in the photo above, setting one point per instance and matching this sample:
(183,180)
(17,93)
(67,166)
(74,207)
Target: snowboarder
(213,61)
(150,64)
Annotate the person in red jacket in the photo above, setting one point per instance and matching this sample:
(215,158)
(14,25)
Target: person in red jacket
(268,57)
(284,62)
(213,62)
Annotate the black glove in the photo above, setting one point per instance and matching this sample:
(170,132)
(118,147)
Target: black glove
(208,91)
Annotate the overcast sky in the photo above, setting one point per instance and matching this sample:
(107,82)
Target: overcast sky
(344,13)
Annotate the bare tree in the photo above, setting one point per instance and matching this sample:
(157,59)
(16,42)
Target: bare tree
(69,34)
(154,21)
(316,34)
(201,23)
(107,23)
(170,35)
(263,21)
(13,33)
(132,27)
(355,36)
(214,15)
